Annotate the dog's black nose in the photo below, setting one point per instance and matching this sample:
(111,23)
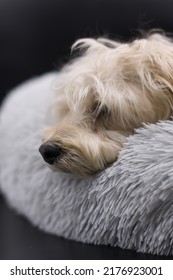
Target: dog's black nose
(49,152)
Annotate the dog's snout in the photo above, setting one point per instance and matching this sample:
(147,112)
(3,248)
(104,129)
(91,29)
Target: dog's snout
(49,152)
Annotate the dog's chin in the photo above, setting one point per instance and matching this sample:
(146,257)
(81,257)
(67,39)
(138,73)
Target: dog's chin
(77,167)
(83,174)
(78,171)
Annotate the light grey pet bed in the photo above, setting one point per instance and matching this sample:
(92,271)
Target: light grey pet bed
(130,204)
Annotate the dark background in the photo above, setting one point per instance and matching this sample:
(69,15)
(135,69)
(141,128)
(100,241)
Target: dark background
(35,37)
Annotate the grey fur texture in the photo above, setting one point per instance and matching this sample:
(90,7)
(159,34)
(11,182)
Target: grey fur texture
(130,204)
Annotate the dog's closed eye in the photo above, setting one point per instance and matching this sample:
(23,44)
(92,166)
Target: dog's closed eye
(99,111)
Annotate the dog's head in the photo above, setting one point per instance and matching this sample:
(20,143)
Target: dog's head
(103,96)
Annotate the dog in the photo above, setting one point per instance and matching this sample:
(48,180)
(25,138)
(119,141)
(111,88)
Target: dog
(103,96)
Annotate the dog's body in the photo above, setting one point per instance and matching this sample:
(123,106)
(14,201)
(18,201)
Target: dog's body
(103,96)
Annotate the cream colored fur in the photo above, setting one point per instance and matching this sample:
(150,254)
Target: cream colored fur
(105,94)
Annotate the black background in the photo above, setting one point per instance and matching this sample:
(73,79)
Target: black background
(35,37)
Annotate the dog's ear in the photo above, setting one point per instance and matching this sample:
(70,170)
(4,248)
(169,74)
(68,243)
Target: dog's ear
(155,62)
(154,68)
(144,90)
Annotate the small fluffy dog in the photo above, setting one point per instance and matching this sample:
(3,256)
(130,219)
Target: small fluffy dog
(103,96)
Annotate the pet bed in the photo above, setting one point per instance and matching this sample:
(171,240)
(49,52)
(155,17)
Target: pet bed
(130,204)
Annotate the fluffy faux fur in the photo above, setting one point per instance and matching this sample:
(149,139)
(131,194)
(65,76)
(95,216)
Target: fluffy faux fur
(130,204)
(103,96)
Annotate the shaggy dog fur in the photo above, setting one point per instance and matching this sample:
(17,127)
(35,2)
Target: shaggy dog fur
(103,96)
